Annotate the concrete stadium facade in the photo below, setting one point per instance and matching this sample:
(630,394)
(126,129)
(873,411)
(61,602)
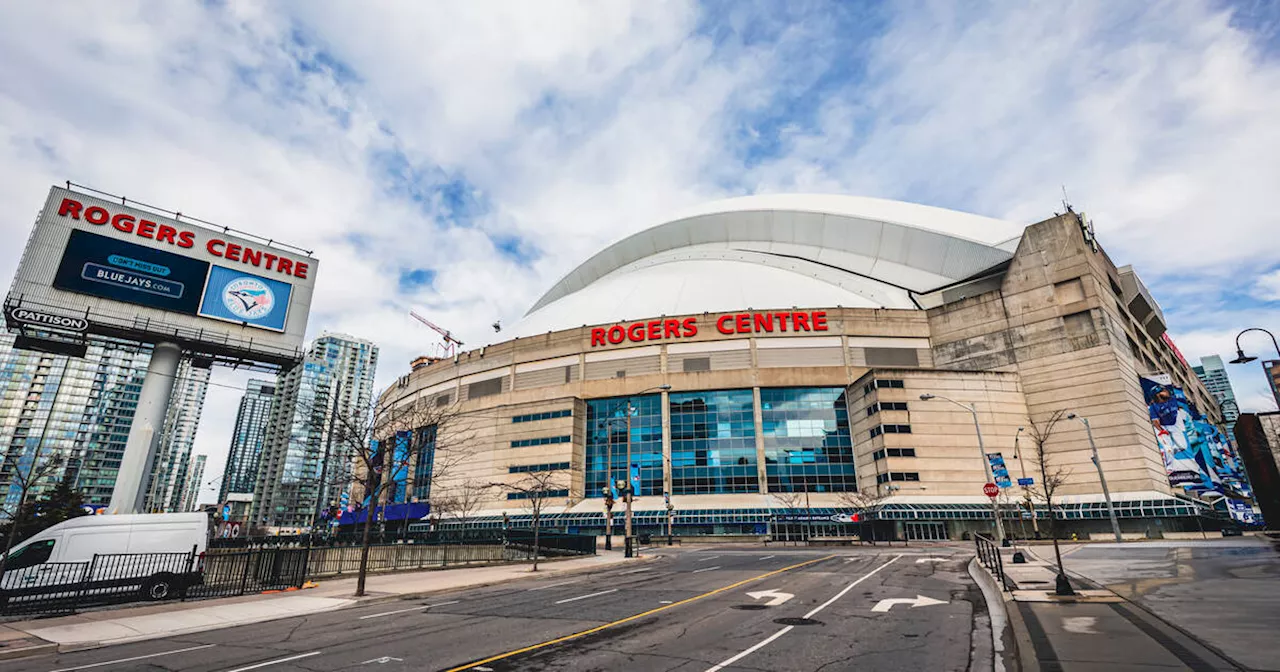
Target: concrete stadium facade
(771,352)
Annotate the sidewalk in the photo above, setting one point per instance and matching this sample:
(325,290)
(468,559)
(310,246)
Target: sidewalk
(1096,630)
(117,626)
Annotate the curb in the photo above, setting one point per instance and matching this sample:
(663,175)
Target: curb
(1000,621)
(28,651)
(53,647)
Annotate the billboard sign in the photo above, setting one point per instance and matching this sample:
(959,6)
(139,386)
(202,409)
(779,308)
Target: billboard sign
(999,471)
(1197,456)
(115,268)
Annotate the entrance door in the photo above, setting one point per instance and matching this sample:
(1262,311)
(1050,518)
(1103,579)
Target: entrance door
(927,531)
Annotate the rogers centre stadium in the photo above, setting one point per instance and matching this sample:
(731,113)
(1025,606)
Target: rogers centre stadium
(762,362)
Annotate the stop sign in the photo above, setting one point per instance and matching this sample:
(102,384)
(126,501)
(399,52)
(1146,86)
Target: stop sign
(990,490)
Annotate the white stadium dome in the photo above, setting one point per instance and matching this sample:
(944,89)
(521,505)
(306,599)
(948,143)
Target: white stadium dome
(775,251)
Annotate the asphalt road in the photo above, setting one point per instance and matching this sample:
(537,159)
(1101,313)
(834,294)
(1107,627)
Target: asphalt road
(689,610)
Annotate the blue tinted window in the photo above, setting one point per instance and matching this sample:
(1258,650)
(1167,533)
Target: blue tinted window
(606,448)
(807,446)
(713,445)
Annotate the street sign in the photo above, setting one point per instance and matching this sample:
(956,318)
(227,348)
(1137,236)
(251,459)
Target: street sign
(1026,481)
(991,490)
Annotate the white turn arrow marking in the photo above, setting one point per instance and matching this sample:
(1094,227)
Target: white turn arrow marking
(383,660)
(919,601)
(775,597)
(931,560)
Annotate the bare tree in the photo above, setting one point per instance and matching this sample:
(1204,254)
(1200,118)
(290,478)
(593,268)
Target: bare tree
(26,478)
(373,450)
(868,504)
(795,501)
(534,489)
(462,503)
(1051,478)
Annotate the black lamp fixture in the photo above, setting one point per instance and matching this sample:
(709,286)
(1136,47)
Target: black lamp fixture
(1242,358)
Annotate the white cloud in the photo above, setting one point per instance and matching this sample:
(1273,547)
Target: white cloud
(335,126)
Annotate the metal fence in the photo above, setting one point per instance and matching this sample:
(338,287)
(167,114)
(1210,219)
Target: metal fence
(989,555)
(55,588)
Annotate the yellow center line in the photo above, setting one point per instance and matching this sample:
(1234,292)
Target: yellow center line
(628,619)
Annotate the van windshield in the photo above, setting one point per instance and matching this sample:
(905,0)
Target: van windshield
(32,554)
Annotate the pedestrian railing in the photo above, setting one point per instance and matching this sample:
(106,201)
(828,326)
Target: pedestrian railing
(66,587)
(989,555)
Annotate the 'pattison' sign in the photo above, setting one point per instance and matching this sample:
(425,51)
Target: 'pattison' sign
(25,316)
(734,323)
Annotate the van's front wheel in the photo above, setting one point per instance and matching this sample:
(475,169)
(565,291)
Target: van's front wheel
(159,587)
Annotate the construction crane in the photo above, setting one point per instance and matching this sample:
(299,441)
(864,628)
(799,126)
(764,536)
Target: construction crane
(449,340)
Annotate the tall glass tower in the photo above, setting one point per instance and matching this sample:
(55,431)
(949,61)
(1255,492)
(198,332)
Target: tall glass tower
(336,376)
(241,471)
(78,411)
(1213,374)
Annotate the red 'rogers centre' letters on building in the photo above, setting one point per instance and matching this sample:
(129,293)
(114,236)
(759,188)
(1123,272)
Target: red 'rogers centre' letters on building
(163,233)
(739,323)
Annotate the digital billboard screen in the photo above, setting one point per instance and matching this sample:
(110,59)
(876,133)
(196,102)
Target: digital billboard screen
(114,269)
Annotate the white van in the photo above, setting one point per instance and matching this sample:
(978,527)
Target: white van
(156,553)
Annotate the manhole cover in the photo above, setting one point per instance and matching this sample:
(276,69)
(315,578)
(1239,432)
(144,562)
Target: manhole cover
(750,607)
(796,621)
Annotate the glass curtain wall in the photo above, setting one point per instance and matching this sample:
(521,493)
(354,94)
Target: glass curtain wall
(713,445)
(606,449)
(807,445)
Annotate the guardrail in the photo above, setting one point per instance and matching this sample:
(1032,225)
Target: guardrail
(989,555)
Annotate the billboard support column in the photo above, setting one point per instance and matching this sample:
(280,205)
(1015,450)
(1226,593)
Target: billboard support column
(146,429)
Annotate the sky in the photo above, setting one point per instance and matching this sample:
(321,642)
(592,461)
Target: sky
(457,158)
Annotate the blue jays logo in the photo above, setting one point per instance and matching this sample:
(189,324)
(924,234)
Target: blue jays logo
(248,298)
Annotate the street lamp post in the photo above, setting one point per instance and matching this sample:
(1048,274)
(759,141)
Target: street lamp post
(608,517)
(1097,463)
(626,487)
(1242,358)
(1026,492)
(986,464)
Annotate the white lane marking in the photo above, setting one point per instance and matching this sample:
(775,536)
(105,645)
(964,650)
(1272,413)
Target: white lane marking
(420,607)
(849,587)
(126,660)
(917,601)
(276,661)
(637,571)
(562,583)
(785,630)
(1081,625)
(757,647)
(768,556)
(583,597)
(776,597)
(383,660)
(931,560)
(664,601)
(705,569)
(710,557)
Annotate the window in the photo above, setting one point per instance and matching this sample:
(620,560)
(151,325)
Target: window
(1078,324)
(541,441)
(713,443)
(893,452)
(892,357)
(881,385)
(807,441)
(425,438)
(692,364)
(29,556)
(897,476)
(527,468)
(548,415)
(484,388)
(606,443)
(890,429)
(886,406)
(444,399)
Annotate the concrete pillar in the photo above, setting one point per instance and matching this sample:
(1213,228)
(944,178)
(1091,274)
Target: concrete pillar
(762,471)
(147,427)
